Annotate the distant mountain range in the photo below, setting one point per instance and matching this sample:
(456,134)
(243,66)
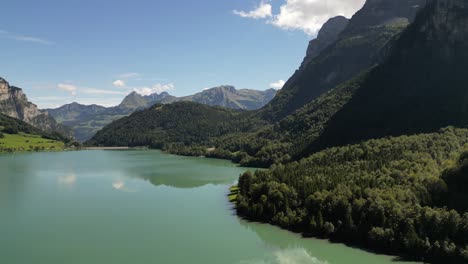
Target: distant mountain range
(86,120)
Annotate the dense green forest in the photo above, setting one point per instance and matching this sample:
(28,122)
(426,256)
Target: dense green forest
(399,195)
(178,124)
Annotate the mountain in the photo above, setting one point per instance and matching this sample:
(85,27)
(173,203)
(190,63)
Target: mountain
(74,111)
(327,35)
(374,159)
(14,103)
(135,101)
(230,97)
(86,120)
(300,112)
(360,45)
(421,87)
(375,177)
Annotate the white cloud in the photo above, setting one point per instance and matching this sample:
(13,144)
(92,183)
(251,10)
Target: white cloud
(128,75)
(277,85)
(157,88)
(73,89)
(119,83)
(310,15)
(23,38)
(100,91)
(263,10)
(68,88)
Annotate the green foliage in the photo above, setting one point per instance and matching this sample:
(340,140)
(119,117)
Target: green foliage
(385,194)
(287,139)
(175,126)
(27,142)
(456,178)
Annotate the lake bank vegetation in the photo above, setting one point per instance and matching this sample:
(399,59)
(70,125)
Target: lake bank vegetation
(402,195)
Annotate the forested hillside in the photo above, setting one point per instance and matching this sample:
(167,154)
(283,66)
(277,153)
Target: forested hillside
(162,125)
(385,194)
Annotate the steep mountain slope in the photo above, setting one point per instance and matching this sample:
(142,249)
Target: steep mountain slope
(359,46)
(327,35)
(14,103)
(287,139)
(421,87)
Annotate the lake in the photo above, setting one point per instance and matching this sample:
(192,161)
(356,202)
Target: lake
(99,207)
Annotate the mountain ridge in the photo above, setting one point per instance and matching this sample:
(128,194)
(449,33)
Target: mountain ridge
(409,92)
(359,46)
(85,120)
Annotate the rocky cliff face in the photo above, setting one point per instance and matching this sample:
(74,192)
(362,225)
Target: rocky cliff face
(448,23)
(420,87)
(14,103)
(327,35)
(384,12)
(361,45)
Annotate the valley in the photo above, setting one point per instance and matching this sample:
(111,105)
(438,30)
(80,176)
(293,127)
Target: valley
(361,155)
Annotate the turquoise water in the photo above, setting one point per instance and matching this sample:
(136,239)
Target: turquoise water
(139,207)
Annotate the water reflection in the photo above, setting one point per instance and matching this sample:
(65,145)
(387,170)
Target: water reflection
(120,185)
(181,172)
(288,256)
(184,180)
(14,177)
(68,180)
(292,248)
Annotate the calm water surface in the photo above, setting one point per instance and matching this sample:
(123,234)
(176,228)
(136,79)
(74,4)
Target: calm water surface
(138,207)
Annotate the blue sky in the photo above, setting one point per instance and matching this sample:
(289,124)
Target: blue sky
(97,51)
